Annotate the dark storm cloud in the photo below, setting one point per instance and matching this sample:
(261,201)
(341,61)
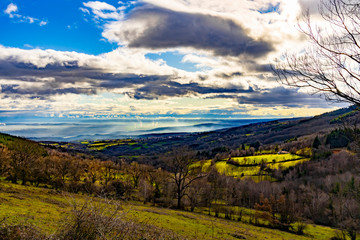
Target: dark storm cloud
(282,96)
(223,37)
(20,79)
(173,89)
(228,75)
(55,79)
(112,81)
(43,90)
(261,68)
(70,77)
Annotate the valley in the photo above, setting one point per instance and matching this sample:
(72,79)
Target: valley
(247,182)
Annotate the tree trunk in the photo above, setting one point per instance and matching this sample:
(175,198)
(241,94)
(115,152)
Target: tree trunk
(14,179)
(179,201)
(23,177)
(352,234)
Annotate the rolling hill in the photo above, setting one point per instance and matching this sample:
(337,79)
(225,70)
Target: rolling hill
(210,143)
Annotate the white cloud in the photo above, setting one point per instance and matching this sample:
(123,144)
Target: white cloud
(276,28)
(74,82)
(103,10)
(47,77)
(99,6)
(12,10)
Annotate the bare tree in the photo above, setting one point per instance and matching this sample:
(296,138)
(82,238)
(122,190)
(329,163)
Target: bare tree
(92,169)
(4,160)
(136,170)
(330,66)
(184,173)
(107,171)
(22,157)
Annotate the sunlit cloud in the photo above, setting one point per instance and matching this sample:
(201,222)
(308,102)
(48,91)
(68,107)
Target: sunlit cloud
(102,10)
(231,45)
(12,11)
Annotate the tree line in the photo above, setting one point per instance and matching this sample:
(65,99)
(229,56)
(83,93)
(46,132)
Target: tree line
(325,190)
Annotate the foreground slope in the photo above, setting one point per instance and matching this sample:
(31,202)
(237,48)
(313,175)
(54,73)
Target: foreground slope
(46,209)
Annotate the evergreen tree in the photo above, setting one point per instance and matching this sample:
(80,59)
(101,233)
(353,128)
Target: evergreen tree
(316,143)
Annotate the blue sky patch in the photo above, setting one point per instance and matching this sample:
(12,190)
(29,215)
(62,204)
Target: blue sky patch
(173,59)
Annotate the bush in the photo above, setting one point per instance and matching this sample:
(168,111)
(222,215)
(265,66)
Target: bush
(299,228)
(105,220)
(20,232)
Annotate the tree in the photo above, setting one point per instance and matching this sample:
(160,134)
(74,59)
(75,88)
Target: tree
(107,171)
(280,213)
(62,167)
(4,160)
(136,170)
(152,188)
(331,66)
(346,208)
(23,156)
(316,142)
(194,193)
(92,169)
(180,162)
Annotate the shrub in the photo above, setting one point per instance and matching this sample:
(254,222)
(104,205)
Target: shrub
(105,219)
(20,232)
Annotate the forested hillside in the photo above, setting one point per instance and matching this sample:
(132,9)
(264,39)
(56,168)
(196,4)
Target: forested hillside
(223,142)
(272,175)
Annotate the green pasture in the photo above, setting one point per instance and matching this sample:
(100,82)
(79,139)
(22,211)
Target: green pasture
(47,209)
(267,158)
(101,145)
(252,166)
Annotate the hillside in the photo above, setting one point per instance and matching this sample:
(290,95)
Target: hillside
(280,179)
(211,143)
(45,212)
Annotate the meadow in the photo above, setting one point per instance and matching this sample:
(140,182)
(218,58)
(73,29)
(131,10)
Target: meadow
(101,145)
(48,209)
(252,166)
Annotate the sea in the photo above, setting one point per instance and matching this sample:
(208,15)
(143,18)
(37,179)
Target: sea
(72,130)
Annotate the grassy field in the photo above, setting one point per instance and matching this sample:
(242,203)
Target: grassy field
(250,166)
(101,145)
(47,209)
(267,158)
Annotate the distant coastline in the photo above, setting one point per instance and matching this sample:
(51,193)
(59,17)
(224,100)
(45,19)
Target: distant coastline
(94,129)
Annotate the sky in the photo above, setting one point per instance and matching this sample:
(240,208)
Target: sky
(150,59)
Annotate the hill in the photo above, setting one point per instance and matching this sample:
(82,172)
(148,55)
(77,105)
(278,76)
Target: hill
(42,212)
(299,181)
(211,143)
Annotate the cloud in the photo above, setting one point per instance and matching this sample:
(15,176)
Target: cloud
(154,27)
(42,91)
(99,6)
(161,90)
(231,43)
(102,10)
(311,5)
(12,10)
(44,74)
(281,96)
(54,73)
